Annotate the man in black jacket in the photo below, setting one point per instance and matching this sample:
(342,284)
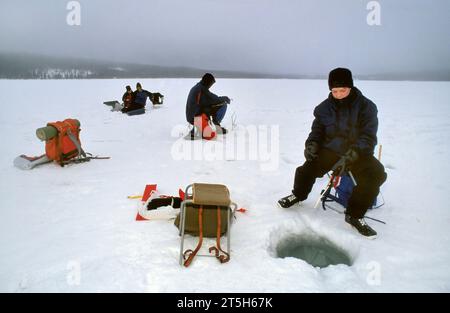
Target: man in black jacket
(202,105)
(345,125)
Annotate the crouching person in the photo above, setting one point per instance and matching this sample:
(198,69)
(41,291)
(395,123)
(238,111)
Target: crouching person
(203,105)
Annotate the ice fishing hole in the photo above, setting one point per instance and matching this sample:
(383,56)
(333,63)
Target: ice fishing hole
(316,251)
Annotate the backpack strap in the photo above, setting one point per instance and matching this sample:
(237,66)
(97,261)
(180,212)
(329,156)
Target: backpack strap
(88,157)
(189,253)
(77,144)
(225,257)
(82,155)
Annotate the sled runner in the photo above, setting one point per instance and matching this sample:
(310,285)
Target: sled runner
(115,105)
(27,163)
(111,103)
(136,112)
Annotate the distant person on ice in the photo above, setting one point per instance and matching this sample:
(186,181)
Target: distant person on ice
(139,99)
(127,98)
(202,105)
(345,124)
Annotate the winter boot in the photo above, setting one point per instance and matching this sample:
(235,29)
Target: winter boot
(361,226)
(219,129)
(288,201)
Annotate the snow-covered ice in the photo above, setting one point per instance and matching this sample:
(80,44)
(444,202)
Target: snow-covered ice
(73,229)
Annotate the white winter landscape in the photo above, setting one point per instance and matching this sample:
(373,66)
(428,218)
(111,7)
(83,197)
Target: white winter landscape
(73,229)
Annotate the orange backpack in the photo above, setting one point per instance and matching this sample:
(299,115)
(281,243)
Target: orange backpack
(66,144)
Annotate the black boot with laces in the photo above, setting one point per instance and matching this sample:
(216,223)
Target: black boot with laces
(288,201)
(361,226)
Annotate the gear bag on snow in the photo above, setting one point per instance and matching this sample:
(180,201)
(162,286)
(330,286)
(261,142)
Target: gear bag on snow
(62,145)
(157,98)
(62,140)
(209,220)
(343,188)
(205,212)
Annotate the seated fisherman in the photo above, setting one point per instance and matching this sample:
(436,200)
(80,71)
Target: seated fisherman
(202,105)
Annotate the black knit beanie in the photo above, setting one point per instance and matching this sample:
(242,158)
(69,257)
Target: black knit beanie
(340,77)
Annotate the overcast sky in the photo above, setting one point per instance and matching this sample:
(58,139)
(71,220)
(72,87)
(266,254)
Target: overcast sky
(279,37)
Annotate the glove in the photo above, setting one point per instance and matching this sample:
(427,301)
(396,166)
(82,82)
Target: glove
(351,155)
(227,100)
(311,150)
(345,161)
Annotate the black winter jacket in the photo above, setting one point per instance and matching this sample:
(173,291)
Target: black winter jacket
(340,126)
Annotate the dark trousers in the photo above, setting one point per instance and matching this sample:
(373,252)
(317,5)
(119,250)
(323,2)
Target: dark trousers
(132,107)
(217,112)
(367,171)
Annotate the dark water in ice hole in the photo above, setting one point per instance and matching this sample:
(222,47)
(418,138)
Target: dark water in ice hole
(318,252)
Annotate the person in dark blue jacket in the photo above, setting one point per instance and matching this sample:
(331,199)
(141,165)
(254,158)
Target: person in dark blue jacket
(345,124)
(202,102)
(140,95)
